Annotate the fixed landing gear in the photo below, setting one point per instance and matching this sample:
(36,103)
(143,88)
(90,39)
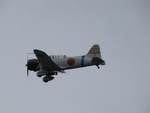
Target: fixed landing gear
(47,78)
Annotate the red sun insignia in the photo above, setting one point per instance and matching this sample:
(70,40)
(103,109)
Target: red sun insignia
(71,61)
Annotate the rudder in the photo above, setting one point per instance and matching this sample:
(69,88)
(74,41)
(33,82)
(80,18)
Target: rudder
(94,51)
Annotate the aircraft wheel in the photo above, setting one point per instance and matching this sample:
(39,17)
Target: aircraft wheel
(47,78)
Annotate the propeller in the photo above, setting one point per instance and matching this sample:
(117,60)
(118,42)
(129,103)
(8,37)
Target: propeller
(27,72)
(27,66)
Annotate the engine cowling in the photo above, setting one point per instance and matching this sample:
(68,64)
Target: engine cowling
(33,65)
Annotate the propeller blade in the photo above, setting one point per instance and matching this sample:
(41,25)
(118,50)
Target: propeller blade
(27,72)
(27,57)
(27,66)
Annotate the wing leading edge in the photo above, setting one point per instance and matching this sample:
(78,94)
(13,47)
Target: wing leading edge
(45,61)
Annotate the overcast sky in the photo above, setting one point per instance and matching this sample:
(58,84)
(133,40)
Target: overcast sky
(71,27)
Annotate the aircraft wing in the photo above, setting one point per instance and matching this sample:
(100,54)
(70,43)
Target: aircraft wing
(45,61)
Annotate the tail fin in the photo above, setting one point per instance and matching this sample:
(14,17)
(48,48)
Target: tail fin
(94,51)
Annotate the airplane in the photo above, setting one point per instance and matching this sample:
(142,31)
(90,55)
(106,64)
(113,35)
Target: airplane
(48,66)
